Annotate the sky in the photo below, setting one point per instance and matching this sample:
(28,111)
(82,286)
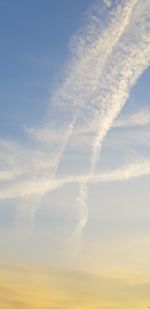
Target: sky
(74,154)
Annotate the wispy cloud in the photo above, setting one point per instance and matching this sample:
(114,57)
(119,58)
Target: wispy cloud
(107,2)
(26,188)
(128,60)
(141,118)
(9,175)
(107,58)
(91,50)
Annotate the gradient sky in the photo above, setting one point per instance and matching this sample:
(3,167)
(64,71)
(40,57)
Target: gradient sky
(74,154)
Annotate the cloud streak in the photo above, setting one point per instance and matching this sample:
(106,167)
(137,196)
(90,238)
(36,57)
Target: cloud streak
(33,187)
(128,60)
(91,49)
(142,118)
(107,58)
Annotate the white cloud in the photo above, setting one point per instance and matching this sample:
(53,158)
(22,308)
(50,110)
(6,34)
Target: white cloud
(9,175)
(106,62)
(141,118)
(26,188)
(128,60)
(108,3)
(91,51)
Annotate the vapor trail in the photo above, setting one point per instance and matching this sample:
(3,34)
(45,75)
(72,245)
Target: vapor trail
(90,74)
(94,48)
(128,60)
(34,189)
(132,57)
(91,50)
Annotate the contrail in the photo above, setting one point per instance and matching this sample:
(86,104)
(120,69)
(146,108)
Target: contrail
(132,61)
(83,78)
(83,209)
(128,60)
(141,118)
(91,81)
(34,189)
(91,51)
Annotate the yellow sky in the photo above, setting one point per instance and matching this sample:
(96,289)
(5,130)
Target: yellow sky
(31,288)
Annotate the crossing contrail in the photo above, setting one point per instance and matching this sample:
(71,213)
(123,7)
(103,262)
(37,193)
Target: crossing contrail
(91,50)
(128,60)
(31,188)
(107,56)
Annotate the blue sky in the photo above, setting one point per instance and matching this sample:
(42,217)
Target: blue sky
(33,50)
(75,136)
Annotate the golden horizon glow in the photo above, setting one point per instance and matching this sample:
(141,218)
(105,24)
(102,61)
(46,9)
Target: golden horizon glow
(42,289)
